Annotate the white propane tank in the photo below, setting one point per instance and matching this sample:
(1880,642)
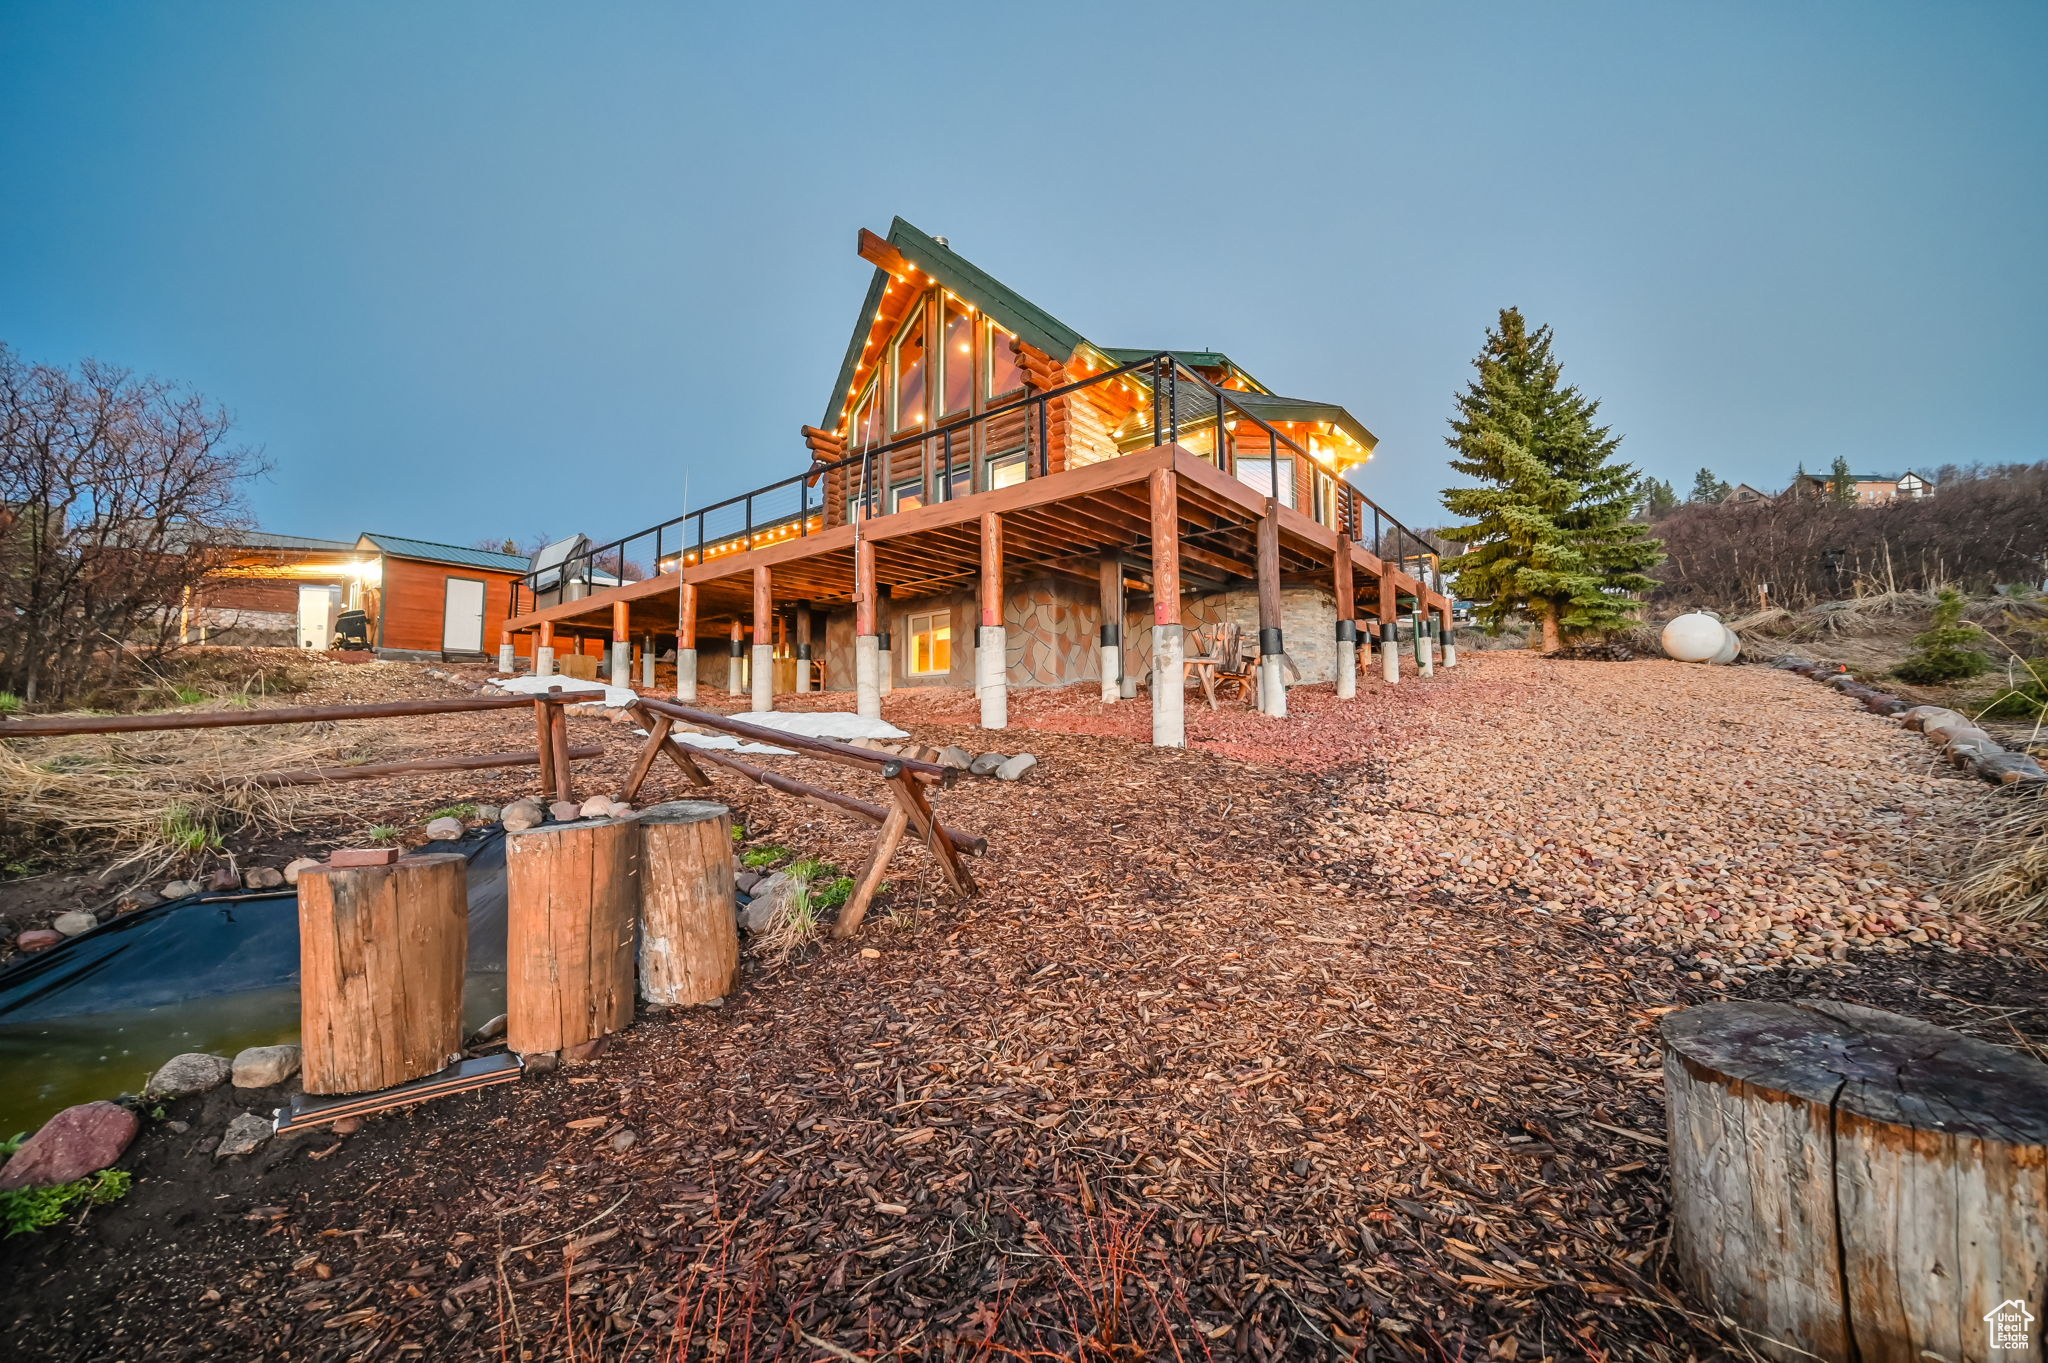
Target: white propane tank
(1695,637)
(1730,647)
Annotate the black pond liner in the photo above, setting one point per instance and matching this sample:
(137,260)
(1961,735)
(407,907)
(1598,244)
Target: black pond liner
(93,1016)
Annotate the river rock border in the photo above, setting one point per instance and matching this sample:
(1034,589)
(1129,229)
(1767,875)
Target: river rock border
(1966,747)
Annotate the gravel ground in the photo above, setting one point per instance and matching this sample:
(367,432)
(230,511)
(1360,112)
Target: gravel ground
(1237,1056)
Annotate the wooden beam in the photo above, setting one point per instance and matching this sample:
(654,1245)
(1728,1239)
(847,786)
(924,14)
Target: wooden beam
(1165,491)
(881,253)
(1269,567)
(764,606)
(991,570)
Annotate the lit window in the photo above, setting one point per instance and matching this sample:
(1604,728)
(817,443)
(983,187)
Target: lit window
(1006,470)
(962,481)
(1004,374)
(956,359)
(1259,473)
(907,495)
(931,644)
(908,357)
(867,418)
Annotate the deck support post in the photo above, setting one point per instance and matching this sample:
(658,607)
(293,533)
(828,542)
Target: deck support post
(1112,646)
(803,647)
(992,646)
(1390,633)
(867,654)
(1425,656)
(763,670)
(1272,682)
(647,660)
(1347,622)
(885,663)
(508,657)
(1450,641)
(1169,685)
(544,650)
(686,641)
(622,646)
(735,673)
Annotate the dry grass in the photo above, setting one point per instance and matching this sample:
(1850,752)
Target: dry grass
(158,798)
(2005,874)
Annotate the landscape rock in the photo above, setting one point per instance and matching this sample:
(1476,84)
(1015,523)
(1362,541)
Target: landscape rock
(986,764)
(1919,716)
(625,1139)
(137,899)
(770,895)
(38,939)
(1016,767)
(521,815)
(78,1141)
(178,889)
(620,809)
(490,1031)
(223,880)
(298,867)
(245,1135)
(263,1067)
(597,807)
(956,757)
(745,881)
(489,813)
(263,878)
(565,811)
(192,1072)
(444,829)
(75,922)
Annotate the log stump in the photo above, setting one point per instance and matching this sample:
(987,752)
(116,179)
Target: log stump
(1850,1184)
(382,950)
(572,891)
(689,925)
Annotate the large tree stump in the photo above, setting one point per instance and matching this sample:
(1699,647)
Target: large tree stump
(1850,1184)
(689,929)
(382,950)
(572,891)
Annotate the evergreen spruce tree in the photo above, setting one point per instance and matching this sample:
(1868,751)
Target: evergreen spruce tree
(1841,483)
(1707,488)
(1659,498)
(1549,523)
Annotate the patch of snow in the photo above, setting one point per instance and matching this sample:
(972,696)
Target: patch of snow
(612,696)
(722,742)
(839,724)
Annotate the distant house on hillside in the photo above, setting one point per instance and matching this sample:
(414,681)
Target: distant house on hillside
(1742,494)
(1872,489)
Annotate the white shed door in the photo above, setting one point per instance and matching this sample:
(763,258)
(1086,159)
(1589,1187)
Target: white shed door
(462,620)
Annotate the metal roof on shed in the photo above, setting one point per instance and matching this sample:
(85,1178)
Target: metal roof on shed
(431,552)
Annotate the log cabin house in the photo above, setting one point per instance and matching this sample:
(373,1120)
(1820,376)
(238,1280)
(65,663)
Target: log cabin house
(423,601)
(993,498)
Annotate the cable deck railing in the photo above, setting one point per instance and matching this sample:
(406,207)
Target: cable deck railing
(1181,405)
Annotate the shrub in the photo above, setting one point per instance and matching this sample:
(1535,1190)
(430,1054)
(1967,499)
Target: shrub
(24,1211)
(1943,653)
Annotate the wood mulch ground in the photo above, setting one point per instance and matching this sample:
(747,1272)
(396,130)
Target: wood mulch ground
(1194,1078)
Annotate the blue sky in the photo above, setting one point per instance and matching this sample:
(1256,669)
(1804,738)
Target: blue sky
(470,269)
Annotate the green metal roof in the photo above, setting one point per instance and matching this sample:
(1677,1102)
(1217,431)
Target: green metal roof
(1193,359)
(1273,407)
(431,552)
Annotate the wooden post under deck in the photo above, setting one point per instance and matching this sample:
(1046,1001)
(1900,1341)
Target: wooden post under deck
(1347,622)
(1450,640)
(803,646)
(1169,686)
(686,640)
(991,643)
(1272,682)
(735,674)
(622,644)
(764,639)
(544,650)
(1390,630)
(1111,574)
(508,656)
(867,658)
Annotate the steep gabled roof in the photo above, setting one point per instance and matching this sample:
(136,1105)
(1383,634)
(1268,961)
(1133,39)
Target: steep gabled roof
(1037,327)
(430,552)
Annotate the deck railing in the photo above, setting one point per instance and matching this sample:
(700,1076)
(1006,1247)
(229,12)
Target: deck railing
(1183,407)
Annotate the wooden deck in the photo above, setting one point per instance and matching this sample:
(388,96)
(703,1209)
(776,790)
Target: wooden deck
(1061,523)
